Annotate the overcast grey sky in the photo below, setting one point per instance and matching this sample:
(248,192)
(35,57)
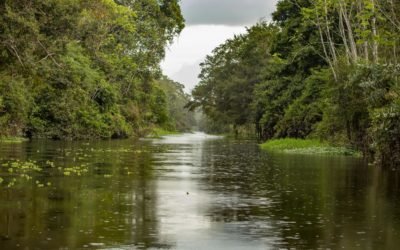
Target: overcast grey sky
(226,12)
(208,24)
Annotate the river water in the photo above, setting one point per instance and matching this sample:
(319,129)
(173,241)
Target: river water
(191,191)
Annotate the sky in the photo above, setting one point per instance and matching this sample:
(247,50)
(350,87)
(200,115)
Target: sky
(208,24)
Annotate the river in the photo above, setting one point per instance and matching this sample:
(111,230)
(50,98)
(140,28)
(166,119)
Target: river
(191,191)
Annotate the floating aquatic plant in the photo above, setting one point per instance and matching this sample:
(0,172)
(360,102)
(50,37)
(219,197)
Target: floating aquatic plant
(17,171)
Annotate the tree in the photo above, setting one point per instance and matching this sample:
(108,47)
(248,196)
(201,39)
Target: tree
(86,69)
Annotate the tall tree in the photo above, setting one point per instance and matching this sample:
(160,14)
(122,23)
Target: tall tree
(84,68)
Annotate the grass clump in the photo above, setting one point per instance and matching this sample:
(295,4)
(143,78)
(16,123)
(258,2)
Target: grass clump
(12,139)
(307,146)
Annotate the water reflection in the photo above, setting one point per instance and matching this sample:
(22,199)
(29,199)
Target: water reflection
(78,212)
(195,191)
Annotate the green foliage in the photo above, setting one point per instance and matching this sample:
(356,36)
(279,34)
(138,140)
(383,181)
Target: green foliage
(346,111)
(80,69)
(229,76)
(385,132)
(180,118)
(15,105)
(382,91)
(305,112)
(324,69)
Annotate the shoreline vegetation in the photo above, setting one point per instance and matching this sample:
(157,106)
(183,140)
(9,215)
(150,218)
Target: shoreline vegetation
(15,140)
(154,133)
(327,70)
(74,70)
(308,147)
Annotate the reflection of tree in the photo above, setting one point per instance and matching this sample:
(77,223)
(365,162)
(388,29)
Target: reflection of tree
(364,213)
(304,201)
(144,217)
(310,201)
(76,211)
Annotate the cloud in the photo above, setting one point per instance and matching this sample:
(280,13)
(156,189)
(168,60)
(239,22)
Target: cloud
(226,12)
(183,57)
(208,24)
(188,75)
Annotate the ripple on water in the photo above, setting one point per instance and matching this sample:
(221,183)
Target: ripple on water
(193,191)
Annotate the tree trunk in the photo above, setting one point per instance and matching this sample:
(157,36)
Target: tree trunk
(327,57)
(350,34)
(328,34)
(344,38)
(375,46)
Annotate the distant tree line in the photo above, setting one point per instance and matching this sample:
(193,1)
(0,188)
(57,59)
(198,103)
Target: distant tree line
(79,69)
(323,69)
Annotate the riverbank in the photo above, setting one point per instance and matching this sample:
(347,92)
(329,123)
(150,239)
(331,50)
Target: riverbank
(154,133)
(307,146)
